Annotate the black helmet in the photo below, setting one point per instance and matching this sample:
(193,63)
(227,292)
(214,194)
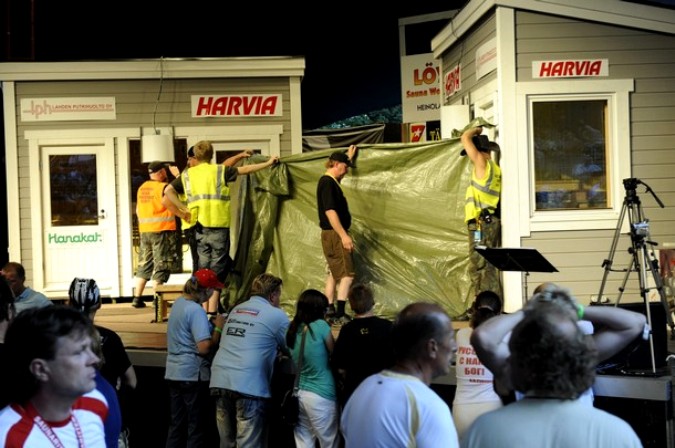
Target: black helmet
(84,294)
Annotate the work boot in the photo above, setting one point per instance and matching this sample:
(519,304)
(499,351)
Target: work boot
(138,303)
(330,313)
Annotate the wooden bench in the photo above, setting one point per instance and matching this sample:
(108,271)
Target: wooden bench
(163,295)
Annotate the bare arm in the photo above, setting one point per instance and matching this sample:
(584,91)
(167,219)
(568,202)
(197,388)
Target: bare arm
(489,340)
(614,328)
(231,161)
(479,162)
(171,201)
(130,377)
(248,169)
(329,342)
(205,346)
(335,223)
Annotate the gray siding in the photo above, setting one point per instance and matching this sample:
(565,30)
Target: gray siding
(649,59)
(135,105)
(465,55)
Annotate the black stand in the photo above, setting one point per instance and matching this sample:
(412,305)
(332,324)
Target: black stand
(519,259)
(642,260)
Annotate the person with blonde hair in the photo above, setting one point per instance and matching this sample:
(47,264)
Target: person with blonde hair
(241,373)
(335,221)
(206,188)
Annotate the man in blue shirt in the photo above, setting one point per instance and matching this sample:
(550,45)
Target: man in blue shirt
(24,297)
(241,371)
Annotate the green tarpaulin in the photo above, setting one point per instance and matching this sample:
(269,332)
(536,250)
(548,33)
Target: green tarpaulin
(407,205)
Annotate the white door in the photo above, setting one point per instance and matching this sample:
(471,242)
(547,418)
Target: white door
(79,216)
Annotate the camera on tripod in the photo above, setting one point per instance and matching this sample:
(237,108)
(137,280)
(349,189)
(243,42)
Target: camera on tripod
(640,229)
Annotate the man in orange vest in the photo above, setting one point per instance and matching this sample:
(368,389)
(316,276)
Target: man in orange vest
(157,226)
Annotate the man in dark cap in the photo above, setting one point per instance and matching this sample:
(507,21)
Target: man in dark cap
(481,208)
(157,227)
(335,220)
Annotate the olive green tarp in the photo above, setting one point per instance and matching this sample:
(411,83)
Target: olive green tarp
(407,206)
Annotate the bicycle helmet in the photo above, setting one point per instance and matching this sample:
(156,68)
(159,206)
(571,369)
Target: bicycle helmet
(84,294)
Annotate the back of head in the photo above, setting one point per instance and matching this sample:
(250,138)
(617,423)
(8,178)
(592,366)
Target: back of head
(486,305)
(414,326)
(203,151)
(553,294)
(33,334)
(550,355)
(15,267)
(311,305)
(264,285)
(84,295)
(361,298)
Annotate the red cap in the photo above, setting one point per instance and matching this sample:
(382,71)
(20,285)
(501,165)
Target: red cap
(208,279)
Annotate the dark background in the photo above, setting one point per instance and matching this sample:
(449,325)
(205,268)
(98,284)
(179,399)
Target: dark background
(351,54)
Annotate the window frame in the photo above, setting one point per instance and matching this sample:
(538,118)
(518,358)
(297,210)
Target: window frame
(617,95)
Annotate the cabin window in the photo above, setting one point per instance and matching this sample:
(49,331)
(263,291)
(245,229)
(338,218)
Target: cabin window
(570,154)
(574,143)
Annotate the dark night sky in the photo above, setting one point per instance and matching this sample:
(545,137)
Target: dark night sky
(351,55)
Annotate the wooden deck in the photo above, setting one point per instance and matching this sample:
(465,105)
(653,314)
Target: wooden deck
(135,326)
(144,339)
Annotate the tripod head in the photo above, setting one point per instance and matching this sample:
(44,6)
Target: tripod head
(630,185)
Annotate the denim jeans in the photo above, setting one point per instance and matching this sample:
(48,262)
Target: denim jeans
(241,419)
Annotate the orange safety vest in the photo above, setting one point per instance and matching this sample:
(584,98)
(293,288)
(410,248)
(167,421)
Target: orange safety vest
(152,215)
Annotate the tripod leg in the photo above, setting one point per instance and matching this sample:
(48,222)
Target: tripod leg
(641,260)
(607,263)
(632,266)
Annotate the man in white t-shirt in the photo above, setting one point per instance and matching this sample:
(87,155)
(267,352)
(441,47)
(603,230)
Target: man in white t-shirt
(52,374)
(396,407)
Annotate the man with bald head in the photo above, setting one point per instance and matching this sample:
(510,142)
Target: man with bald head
(396,407)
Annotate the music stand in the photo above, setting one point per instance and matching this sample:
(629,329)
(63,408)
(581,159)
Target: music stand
(522,259)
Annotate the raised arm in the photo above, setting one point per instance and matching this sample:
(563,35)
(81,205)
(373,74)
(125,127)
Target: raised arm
(479,162)
(490,342)
(248,169)
(231,161)
(614,328)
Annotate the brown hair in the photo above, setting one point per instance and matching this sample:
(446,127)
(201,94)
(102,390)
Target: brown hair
(203,150)
(361,298)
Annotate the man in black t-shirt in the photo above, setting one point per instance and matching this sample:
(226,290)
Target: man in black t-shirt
(335,220)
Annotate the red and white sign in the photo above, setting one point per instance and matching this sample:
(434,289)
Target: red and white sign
(253,105)
(418,132)
(575,68)
(453,82)
(420,88)
(68,109)
(486,58)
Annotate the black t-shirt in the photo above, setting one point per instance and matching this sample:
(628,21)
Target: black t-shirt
(116,360)
(362,348)
(329,196)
